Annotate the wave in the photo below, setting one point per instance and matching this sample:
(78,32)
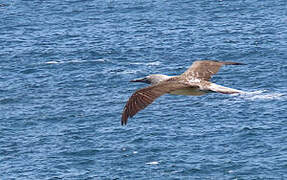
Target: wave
(155,63)
(52,62)
(74,61)
(152,163)
(261,95)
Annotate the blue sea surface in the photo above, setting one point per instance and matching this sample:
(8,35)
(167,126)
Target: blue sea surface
(65,67)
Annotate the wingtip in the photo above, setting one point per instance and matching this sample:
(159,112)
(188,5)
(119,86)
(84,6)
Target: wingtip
(123,123)
(240,64)
(124,119)
(234,63)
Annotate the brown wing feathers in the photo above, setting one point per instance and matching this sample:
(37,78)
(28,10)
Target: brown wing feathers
(138,101)
(205,69)
(145,96)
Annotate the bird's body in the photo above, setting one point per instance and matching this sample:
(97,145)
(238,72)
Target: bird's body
(190,91)
(194,82)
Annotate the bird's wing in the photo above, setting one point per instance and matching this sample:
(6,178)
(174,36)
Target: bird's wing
(205,69)
(145,96)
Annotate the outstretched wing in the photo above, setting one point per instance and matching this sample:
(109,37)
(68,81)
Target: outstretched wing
(145,96)
(205,69)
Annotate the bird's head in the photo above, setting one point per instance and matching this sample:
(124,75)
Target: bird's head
(152,79)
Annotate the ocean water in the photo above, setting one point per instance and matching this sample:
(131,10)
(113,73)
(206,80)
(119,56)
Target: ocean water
(65,68)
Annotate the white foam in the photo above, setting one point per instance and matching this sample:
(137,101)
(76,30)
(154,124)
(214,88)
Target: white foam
(267,96)
(74,61)
(261,94)
(155,63)
(128,72)
(152,163)
(99,60)
(62,62)
(52,62)
(255,92)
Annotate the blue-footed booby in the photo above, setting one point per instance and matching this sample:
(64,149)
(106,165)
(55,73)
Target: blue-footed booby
(194,81)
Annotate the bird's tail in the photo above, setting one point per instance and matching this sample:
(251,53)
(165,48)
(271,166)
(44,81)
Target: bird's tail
(224,90)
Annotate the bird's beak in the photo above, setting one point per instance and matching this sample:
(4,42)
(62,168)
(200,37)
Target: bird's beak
(144,80)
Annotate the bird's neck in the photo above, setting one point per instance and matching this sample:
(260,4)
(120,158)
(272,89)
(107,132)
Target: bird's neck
(160,79)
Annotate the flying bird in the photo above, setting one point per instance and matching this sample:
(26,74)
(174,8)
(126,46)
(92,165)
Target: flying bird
(194,81)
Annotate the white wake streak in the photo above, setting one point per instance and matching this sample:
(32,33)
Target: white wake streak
(261,94)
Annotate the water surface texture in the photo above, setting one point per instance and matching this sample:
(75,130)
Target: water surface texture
(65,67)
